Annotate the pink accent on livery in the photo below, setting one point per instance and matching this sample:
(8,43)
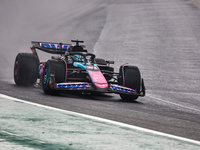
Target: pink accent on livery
(103,85)
(98,79)
(16,68)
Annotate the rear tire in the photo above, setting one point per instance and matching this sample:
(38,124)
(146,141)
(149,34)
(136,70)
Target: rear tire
(58,69)
(132,79)
(26,69)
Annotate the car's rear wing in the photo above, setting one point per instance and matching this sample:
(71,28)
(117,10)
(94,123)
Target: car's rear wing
(50,47)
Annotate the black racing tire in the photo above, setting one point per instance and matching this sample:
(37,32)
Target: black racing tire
(58,68)
(26,69)
(132,80)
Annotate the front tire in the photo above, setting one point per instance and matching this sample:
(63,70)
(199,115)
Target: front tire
(26,69)
(57,68)
(130,77)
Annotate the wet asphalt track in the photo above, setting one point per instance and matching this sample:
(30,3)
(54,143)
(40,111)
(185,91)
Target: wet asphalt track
(160,37)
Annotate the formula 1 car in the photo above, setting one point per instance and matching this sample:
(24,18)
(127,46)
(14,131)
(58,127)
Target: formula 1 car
(76,69)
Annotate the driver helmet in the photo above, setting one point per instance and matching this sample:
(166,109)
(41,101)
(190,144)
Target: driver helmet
(78,58)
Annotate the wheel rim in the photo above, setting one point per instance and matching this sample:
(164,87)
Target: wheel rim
(45,76)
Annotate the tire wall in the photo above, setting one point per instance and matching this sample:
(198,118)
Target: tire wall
(27,72)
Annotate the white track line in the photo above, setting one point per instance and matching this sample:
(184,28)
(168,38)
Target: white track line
(104,120)
(175,104)
(178,92)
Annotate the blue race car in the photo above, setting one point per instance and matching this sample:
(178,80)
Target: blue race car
(76,69)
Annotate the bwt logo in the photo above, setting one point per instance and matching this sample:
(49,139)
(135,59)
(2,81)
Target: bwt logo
(56,46)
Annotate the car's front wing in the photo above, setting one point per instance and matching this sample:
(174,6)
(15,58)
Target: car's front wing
(84,86)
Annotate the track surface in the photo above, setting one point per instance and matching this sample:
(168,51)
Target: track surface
(160,37)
